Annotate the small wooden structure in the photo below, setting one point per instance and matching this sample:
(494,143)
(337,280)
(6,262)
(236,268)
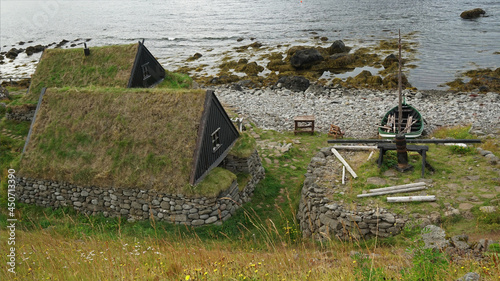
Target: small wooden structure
(304,123)
(421,149)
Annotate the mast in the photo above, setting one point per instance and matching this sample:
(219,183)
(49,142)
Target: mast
(400,106)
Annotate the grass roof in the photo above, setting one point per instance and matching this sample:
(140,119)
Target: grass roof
(108,66)
(114,137)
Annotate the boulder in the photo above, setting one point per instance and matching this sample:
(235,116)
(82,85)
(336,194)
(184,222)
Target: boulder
(391,81)
(434,237)
(337,47)
(471,276)
(294,83)
(12,53)
(472,14)
(389,60)
(304,59)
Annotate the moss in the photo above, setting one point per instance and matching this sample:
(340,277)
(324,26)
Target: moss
(244,146)
(482,80)
(217,180)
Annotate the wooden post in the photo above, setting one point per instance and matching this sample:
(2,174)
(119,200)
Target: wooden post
(337,154)
(428,198)
(400,106)
(343,174)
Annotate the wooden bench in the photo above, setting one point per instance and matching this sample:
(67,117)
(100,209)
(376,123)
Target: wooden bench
(304,122)
(421,149)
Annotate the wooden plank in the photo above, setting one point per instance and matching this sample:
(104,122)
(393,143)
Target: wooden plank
(355,147)
(343,174)
(429,198)
(412,189)
(351,171)
(395,187)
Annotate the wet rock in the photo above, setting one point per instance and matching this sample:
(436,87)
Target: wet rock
(389,60)
(337,47)
(34,49)
(294,83)
(472,14)
(12,53)
(391,81)
(304,59)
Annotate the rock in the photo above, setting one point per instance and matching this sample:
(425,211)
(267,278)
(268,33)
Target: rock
(389,60)
(12,53)
(376,181)
(488,209)
(4,93)
(294,83)
(434,237)
(472,14)
(337,47)
(391,81)
(195,57)
(460,242)
(492,159)
(471,276)
(304,59)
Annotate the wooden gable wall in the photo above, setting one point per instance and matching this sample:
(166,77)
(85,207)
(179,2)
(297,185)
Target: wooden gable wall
(216,137)
(147,71)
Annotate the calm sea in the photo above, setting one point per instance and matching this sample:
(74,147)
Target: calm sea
(176,29)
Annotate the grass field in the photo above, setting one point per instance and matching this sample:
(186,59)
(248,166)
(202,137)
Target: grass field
(260,242)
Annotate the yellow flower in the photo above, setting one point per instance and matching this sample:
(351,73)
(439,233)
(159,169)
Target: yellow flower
(188,277)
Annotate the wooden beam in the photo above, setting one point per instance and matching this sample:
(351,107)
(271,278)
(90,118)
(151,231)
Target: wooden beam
(407,140)
(351,171)
(412,189)
(396,187)
(355,147)
(428,198)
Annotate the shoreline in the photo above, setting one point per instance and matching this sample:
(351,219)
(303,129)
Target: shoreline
(358,65)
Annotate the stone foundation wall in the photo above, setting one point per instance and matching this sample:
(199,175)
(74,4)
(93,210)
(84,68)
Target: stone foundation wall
(251,165)
(320,217)
(21,113)
(137,204)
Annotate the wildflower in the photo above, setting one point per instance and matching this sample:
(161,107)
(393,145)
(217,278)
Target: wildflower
(188,277)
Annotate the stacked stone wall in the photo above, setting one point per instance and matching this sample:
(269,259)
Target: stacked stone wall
(322,218)
(138,204)
(21,113)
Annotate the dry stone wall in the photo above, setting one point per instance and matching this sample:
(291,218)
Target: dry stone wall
(322,218)
(137,204)
(21,113)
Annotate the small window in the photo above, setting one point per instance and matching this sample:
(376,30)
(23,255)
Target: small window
(145,71)
(216,140)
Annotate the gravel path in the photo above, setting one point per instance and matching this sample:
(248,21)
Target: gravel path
(358,112)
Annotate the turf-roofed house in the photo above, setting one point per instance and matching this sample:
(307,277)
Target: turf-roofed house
(156,153)
(124,66)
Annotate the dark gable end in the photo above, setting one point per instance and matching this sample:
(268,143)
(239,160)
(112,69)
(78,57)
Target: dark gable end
(147,71)
(216,137)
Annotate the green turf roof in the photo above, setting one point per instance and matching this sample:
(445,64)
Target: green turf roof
(115,137)
(108,66)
